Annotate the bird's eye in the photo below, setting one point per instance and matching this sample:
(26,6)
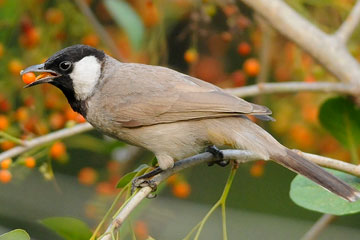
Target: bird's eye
(65,65)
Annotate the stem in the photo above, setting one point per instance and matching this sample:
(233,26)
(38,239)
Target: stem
(203,221)
(11,138)
(93,236)
(318,227)
(223,214)
(221,202)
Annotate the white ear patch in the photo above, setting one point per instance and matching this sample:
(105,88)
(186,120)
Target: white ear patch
(85,75)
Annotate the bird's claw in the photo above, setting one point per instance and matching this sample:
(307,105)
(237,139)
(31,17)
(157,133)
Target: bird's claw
(143,182)
(218,155)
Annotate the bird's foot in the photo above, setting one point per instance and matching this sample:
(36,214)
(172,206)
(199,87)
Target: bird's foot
(218,155)
(141,183)
(145,181)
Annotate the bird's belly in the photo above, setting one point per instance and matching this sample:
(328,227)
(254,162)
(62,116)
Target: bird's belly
(177,140)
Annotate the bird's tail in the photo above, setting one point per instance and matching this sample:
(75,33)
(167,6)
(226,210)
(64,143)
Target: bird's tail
(300,165)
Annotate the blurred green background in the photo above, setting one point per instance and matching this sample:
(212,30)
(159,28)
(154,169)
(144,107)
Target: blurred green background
(217,41)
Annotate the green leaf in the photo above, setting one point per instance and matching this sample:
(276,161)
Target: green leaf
(341,117)
(129,176)
(125,16)
(141,167)
(125,179)
(308,194)
(68,228)
(17,234)
(154,162)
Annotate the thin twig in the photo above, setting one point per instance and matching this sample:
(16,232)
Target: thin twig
(238,155)
(265,51)
(101,32)
(318,227)
(325,48)
(289,87)
(348,26)
(331,163)
(30,144)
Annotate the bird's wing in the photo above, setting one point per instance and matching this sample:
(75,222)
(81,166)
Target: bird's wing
(153,95)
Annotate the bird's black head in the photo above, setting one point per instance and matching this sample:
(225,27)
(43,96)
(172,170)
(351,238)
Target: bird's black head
(75,70)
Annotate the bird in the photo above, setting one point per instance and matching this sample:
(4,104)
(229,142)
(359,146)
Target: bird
(169,113)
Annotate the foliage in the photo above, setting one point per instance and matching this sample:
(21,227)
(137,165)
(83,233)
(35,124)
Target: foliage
(309,195)
(17,234)
(68,228)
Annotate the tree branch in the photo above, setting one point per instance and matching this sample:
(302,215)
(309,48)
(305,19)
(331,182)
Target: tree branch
(30,144)
(99,29)
(331,163)
(318,227)
(266,88)
(348,26)
(240,156)
(327,49)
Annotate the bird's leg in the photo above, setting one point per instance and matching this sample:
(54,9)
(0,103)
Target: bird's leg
(145,181)
(218,155)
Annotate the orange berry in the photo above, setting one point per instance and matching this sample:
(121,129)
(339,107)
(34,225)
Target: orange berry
(310,79)
(244,48)
(5,164)
(29,101)
(91,40)
(15,66)
(226,36)
(28,77)
(4,122)
(310,112)
(70,114)
(30,162)
(181,190)
(172,179)
(57,120)
(30,38)
(238,78)
(302,136)
(230,9)
(22,114)
(87,176)
(5,176)
(1,50)
(141,230)
(208,69)
(4,104)
(57,150)
(6,145)
(105,188)
(191,55)
(54,16)
(257,170)
(252,67)
(150,14)
(243,22)
(80,118)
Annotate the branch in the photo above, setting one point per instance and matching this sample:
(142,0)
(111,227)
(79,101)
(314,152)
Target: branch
(30,144)
(241,156)
(99,29)
(348,26)
(327,49)
(266,88)
(331,163)
(318,227)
